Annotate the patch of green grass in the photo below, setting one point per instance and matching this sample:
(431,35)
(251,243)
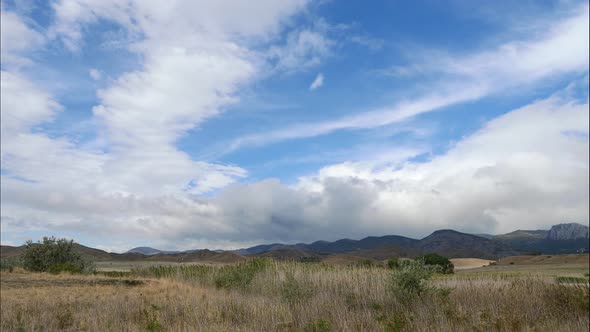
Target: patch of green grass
(571,280)
(241,275)
(320,325)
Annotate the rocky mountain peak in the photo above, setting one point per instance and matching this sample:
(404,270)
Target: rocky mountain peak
(570,231)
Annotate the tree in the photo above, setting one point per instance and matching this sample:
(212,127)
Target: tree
(441,263)
(54,255)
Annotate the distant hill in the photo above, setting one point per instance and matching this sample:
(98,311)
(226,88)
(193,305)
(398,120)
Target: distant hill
(205,256)
(10,251)
(449,243)
(289,253)
(571,231)
(384,253)
(148,251)
(445,242)
(523,234)
(455,244)
(560,239)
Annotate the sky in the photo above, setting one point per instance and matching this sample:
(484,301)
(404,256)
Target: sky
(226,124)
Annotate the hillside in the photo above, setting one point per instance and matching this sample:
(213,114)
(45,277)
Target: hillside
(289,253)
(205,256)
(455,244)
(545,259)
(570,231)
(10,251)
(560,239)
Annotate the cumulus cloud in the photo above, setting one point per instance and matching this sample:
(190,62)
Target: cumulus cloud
(194,60)
(16,37)
(317,82)
(524,168)
(527,168)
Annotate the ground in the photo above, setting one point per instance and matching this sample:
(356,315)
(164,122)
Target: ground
(281,296)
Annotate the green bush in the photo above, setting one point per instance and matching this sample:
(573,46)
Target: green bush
(64,267)
(8,264)
(239,276)
(152,322)
(410,280)
(393,263)
(54,255)
(440,263)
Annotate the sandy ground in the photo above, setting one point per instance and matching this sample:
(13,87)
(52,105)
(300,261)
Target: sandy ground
(469,263)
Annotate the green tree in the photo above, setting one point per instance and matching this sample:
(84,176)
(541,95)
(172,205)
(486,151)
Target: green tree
(441,263)
(54,255)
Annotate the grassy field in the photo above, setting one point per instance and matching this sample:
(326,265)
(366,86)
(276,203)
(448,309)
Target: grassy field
(277,296)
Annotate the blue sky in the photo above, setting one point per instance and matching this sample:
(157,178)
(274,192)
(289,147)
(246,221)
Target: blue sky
(225,124)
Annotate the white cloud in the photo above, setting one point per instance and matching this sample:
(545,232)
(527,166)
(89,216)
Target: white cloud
(560,49)
(527,168)
(95,74)
(194,59)
(317,82)
(304,49)
(367,41)
(15,39)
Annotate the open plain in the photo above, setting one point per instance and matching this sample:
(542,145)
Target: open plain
(266,295)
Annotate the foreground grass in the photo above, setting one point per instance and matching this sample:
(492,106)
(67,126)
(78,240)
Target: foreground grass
(276,296)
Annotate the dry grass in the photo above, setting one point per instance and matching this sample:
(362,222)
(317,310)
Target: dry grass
(469,263)
(286,297)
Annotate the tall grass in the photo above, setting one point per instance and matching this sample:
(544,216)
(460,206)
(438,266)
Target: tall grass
(264,295)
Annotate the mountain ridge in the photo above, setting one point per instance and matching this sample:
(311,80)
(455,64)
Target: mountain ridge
(567,238)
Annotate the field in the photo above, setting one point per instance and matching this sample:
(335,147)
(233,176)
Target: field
(264,295)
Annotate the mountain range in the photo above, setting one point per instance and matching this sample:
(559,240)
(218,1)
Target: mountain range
(560,239)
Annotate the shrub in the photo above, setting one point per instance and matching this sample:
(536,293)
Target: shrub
(393,263)
(64,267)
(365,263)
(293,291)
(410,280)
(54,255)
(241,275)
(152,323)
(8,264)
(441,263)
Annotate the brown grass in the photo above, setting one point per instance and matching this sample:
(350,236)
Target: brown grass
(469,263)
(288,297)
(545,259)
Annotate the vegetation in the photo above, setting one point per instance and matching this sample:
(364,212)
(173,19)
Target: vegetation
(266,295)
(410,280)
(54,256)
(9,264)
(440,263)
(393,263)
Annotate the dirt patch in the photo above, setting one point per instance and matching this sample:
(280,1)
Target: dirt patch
(470,263)
(14,280)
